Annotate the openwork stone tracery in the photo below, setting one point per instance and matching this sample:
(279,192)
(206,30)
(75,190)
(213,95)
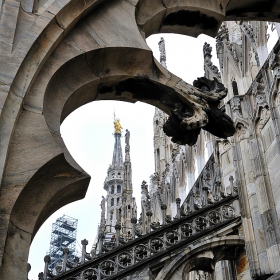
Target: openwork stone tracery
(160,242)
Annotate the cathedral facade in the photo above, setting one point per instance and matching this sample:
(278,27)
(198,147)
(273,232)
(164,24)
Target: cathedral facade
(211,209)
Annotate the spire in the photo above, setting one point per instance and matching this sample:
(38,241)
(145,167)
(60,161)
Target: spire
(127,164)
(117,161)
(127,146)
(210,70)
(162,52)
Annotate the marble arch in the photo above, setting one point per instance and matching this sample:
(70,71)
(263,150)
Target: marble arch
(189,258)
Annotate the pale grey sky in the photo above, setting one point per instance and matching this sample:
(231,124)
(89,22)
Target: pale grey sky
(88,134)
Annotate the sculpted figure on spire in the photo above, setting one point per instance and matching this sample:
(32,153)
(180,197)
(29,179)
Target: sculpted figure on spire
(127,137)
(118,126)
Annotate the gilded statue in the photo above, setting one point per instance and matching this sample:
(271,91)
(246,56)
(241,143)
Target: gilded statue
(118,126)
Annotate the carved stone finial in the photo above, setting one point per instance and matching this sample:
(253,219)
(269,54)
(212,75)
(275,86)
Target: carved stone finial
(65,250)
(155,178)
(118,227)
(127,137)
(163,207)
(207,50)
(102,204)
(127,146)
(162,52)
(84,242)
(222,33)
(144,184)
(47,258)
(149,213)
(178,200)
(209,67)
(144,187)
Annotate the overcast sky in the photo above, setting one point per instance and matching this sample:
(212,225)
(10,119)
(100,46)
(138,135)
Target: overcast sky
(88,134)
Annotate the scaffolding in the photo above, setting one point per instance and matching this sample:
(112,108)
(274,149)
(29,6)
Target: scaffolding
(64,232)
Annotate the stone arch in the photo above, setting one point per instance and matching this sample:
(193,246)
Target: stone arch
(193,18)
(186,258)
(54,185)
(97,76)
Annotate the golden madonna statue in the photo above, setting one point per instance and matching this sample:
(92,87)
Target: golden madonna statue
(118,126)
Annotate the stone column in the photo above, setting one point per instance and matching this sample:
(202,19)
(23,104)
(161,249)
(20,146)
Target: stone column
(163,211)
(84,243)
(149,214)
(100,242)
(118,228)
(178,201)
(133,222)
(47,260)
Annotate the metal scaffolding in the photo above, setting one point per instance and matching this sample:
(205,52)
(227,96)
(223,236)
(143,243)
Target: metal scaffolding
(64,232)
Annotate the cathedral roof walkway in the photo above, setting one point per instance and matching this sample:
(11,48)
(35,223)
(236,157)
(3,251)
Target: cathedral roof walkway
(215,220)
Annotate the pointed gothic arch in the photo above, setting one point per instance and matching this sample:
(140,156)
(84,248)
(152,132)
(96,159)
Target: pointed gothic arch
(187,259)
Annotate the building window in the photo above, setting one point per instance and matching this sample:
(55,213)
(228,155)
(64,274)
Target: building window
(112,202)
(112,189)
(118,200)
(119,189)
(234,88)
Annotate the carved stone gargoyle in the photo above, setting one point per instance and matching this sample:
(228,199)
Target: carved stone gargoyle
(184,125)
(190,107)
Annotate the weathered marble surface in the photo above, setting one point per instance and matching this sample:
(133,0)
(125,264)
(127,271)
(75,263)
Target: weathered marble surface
(85,44)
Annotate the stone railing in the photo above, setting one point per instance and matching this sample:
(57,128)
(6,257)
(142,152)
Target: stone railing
(208,189)
(128,258)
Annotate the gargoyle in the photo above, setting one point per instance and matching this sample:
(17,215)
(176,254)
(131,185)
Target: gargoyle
(190,107)
(184,124)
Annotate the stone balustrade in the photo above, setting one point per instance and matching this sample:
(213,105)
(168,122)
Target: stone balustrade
(125,259)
